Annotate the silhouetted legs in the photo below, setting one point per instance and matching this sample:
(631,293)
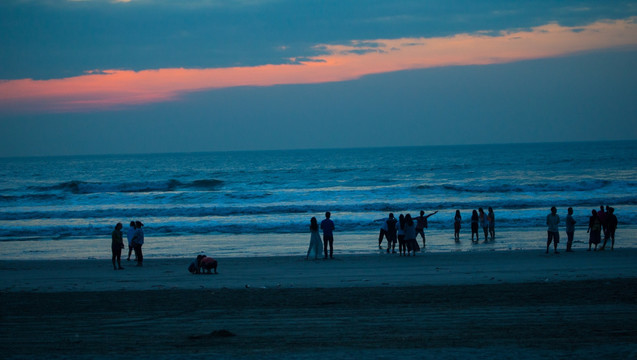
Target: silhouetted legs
(139,255)
(402,247)
(117,258)
(569,242)
(380,238)
(328,240)
(422,233)
(610,234)
(552,237)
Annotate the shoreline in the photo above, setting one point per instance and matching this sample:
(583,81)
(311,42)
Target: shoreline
(225,246)
(380,269)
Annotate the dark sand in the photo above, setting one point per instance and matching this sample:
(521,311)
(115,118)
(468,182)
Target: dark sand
(590,319)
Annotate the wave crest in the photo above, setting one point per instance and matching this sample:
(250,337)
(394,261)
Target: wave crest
(84,187)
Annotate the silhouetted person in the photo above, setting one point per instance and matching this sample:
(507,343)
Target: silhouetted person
(138,241)
(570,230)
(552,220)
(383,234)
(475,219)
(484,224)
(117,244)
(611,226)
(391,233)
(400,234)
(457,222)
(601,214)
(595,229)
(206,264)
(316,244)
(129,236)
(203,265)
(421,225)
(327,226)
(410,235)
(491,223)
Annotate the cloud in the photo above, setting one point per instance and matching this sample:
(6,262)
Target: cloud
(44,39)
(113,88)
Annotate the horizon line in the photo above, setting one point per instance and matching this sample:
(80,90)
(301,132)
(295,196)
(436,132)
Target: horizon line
(2,157)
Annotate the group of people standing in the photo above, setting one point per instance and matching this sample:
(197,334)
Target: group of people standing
(478,220)
(600,221)
(135,237)
(316,244)
(404,231)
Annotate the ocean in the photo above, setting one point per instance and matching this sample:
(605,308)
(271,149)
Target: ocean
(260,203)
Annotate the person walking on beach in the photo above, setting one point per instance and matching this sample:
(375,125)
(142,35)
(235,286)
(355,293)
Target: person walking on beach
(594,229)
(315,241)
(611,224)
(400,234)
(117,244)
(390,225)
(491,221)
(484,224)
(474,226)
(552,220)
(129,236)
(421,225)
(457,221)
(570,230)
(138,241)
(327,226)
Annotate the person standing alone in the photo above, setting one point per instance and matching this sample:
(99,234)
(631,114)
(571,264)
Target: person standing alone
(327,226)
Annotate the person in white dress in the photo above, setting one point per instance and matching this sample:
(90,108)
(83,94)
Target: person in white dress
(316,245)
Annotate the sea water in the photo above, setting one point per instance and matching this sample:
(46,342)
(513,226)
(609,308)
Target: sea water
(260,203)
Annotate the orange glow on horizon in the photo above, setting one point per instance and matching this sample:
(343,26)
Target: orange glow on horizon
(116,88)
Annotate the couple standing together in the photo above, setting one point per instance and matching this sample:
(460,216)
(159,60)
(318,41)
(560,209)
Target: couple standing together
(135,237)
(316,244)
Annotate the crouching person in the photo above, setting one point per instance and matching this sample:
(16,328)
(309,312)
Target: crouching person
(203,264)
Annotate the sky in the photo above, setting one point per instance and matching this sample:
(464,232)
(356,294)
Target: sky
(156,76)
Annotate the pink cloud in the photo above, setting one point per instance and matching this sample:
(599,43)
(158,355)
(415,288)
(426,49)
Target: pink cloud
(111,89)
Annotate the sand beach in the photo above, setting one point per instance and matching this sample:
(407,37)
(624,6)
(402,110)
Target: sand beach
(512,304)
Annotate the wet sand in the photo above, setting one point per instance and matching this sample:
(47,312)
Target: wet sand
(492,305)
